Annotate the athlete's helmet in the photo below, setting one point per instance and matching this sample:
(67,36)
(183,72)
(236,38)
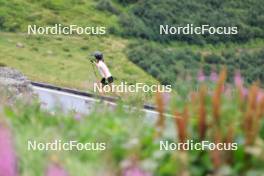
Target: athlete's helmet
(98,55)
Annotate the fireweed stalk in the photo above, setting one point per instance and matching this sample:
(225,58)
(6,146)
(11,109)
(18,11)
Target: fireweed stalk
(251,105)
(202,125)
(181,124)
(216,105)
(253,114)
(160,125)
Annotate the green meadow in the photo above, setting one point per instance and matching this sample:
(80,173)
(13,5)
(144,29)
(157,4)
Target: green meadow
(64,60)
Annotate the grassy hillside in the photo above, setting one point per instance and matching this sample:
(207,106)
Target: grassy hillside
(60,59)
(144,17)
(168,57)
(179,61)
(15,15)
(63,60)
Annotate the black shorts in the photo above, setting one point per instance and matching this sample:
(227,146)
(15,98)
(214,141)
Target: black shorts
(109,80)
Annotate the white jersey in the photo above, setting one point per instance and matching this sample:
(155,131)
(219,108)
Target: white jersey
(103,69)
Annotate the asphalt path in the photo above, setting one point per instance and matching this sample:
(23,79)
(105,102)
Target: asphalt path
(70,100)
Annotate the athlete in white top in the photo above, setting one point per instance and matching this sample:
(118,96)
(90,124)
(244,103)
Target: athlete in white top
(103,69)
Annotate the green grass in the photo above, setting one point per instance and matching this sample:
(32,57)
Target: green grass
(113,128)
(17,14)
(63,60)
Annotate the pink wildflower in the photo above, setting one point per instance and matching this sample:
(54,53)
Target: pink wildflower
(201,76)
(260,95)
(78,116)
(56,170)
(166,98)
(135,171)
(213,76)
(228,91)
(245,92)
(238,79)
(8,161)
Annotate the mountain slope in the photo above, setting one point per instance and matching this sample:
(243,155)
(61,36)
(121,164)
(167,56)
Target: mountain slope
(64,60)
(58,59)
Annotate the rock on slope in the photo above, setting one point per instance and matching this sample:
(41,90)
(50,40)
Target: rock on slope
(13,83)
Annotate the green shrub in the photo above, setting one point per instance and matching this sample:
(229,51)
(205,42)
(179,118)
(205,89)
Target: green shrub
(58,4)
(146,16)
(162,64)
(126,2)
(2,20)
(107,5)
(169,65)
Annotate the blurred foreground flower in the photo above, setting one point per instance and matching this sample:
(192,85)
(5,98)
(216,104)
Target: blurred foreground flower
(8,162)
(201,76)
(135,171)
(55,169)
(244,92)
(160,124)
(216,98)
(181,122)
(213,76)
(78,116)
(202,124)
(253,114)
(166,98)
(238,79)
(130,167)
(260,95)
